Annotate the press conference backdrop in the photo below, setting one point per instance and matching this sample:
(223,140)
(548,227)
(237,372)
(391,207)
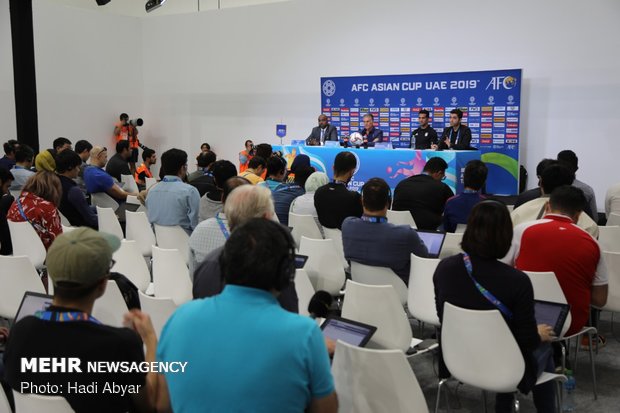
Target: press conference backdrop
(490,101)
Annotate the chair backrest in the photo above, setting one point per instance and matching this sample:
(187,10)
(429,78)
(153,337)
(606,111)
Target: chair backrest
(369,381)
(612,260)
(480,350)
(171,275)
(108,222)
(609,238)
(36,403)
(336,235)
(401,218)
(103,200)
(173,238)
(421,294)
(510,208)
(129,184)
(303,226)
(139,229)
(66,229)
(17,275)
(451,245)
(110,307)
(371,275)
(160,310)
(379,306)
(63,219)
(131,264)
(323,266)
(613,219)
(304,290)
(460,228)
(150,182)
(26,242)
(15,192)
(547,288)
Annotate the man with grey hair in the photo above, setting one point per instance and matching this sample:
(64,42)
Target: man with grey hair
(243,203)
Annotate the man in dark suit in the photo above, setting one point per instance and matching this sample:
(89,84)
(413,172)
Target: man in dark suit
(371,134)
(424,195)
(323,132)
(456,136)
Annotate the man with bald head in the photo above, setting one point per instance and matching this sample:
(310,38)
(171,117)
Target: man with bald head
(323,132)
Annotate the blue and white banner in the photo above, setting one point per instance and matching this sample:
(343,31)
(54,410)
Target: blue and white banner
(490,101)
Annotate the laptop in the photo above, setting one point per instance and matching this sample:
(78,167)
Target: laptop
(552,314)
(433,241)
(31,303)
(349,331)
(300,261)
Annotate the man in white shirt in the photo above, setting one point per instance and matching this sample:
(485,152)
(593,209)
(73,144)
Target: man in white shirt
(612,200)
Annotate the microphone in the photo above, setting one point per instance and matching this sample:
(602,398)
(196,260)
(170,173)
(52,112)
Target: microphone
(319,304)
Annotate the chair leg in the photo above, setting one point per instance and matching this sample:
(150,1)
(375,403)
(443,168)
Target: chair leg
(484,401)
(592,367)
(441,384)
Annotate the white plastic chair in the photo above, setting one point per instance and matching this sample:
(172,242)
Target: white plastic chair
(379,306)
(173,238)
(612,260)
(401,218)
(103,200)
(304,290)
(480,350)
(17,275)
(609,238)
(370,381)
(150,182)
(26,242)
(63,219)
(129,184)
(171,276)
(371,275)
(323,266)
(30,403)
(15,192)
(160,310)
(108,222)
(613,219)
(336,235)
(303,226)
(547,288)
(110,307)
(139,229)
(460,228)
(421,294)
(66,229)
(131,264)
(451,245)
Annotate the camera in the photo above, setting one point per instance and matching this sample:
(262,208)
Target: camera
(136,122)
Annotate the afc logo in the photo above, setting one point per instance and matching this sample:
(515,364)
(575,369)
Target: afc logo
(498,82)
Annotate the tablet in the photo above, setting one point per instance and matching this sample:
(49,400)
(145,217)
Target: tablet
(552,314)
(31,303)
(433,241)
(349,331)
(300,261)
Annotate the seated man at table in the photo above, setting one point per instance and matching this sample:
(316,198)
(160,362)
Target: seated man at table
(323,132)
(456,136)
(371,134)
(424,137)
(392,245)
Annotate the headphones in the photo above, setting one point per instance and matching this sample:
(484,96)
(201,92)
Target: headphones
(286,267)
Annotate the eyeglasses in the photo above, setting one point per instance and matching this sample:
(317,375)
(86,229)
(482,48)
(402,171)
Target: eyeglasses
(112,264)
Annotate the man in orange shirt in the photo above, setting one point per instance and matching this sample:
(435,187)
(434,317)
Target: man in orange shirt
(245,156)
(125,131)
(144,171)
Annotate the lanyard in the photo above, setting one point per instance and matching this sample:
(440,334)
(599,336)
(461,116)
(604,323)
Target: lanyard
(36,226)
(223,228)
(66,316)
(375,220)
(175,179)
(337,182)
(458,134)
(486,293)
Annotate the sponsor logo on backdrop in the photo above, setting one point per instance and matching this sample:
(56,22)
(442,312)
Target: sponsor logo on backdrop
(499,82)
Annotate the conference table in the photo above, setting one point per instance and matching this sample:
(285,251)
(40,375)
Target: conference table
(393,165)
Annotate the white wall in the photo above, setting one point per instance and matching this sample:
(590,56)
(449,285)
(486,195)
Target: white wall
(89,70)
(7,91)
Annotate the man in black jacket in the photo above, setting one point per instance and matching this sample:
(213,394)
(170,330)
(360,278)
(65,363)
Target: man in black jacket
(456,136)
(323,132)
(424,195)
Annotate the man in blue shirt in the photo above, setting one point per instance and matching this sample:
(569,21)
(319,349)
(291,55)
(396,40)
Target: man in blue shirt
(371,240)
(289,369)
(459,206)
(284,194)
(8,160)
(24,156)
(173,202)
(97,180)
(73,203)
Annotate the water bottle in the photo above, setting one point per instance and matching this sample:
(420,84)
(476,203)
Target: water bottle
(568,401)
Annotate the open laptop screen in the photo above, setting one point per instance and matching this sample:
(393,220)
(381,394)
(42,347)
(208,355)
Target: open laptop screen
(552,314)
(349,331)
(433,241)
(31,303)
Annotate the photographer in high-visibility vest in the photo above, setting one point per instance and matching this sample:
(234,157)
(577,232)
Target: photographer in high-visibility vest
(144,171)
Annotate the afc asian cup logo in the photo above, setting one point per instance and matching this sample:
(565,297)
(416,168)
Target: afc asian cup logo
(341,102)
(419,101)
(453,100)
(509,82)
(357,102)
(511,99)
(328,102)
(387,102)
(402,102)
(472,100)
(371,102)
(436,101)
(491,100)
(329,88)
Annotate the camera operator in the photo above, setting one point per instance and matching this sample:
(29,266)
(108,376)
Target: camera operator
(127,130)
(245,155)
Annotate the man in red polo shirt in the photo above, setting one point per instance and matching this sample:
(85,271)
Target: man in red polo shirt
(555,243)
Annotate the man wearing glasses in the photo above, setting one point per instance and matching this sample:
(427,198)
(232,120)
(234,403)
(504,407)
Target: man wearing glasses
(424,195)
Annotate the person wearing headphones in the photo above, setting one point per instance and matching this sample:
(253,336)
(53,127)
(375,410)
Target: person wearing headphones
(391,245)
(245,320)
